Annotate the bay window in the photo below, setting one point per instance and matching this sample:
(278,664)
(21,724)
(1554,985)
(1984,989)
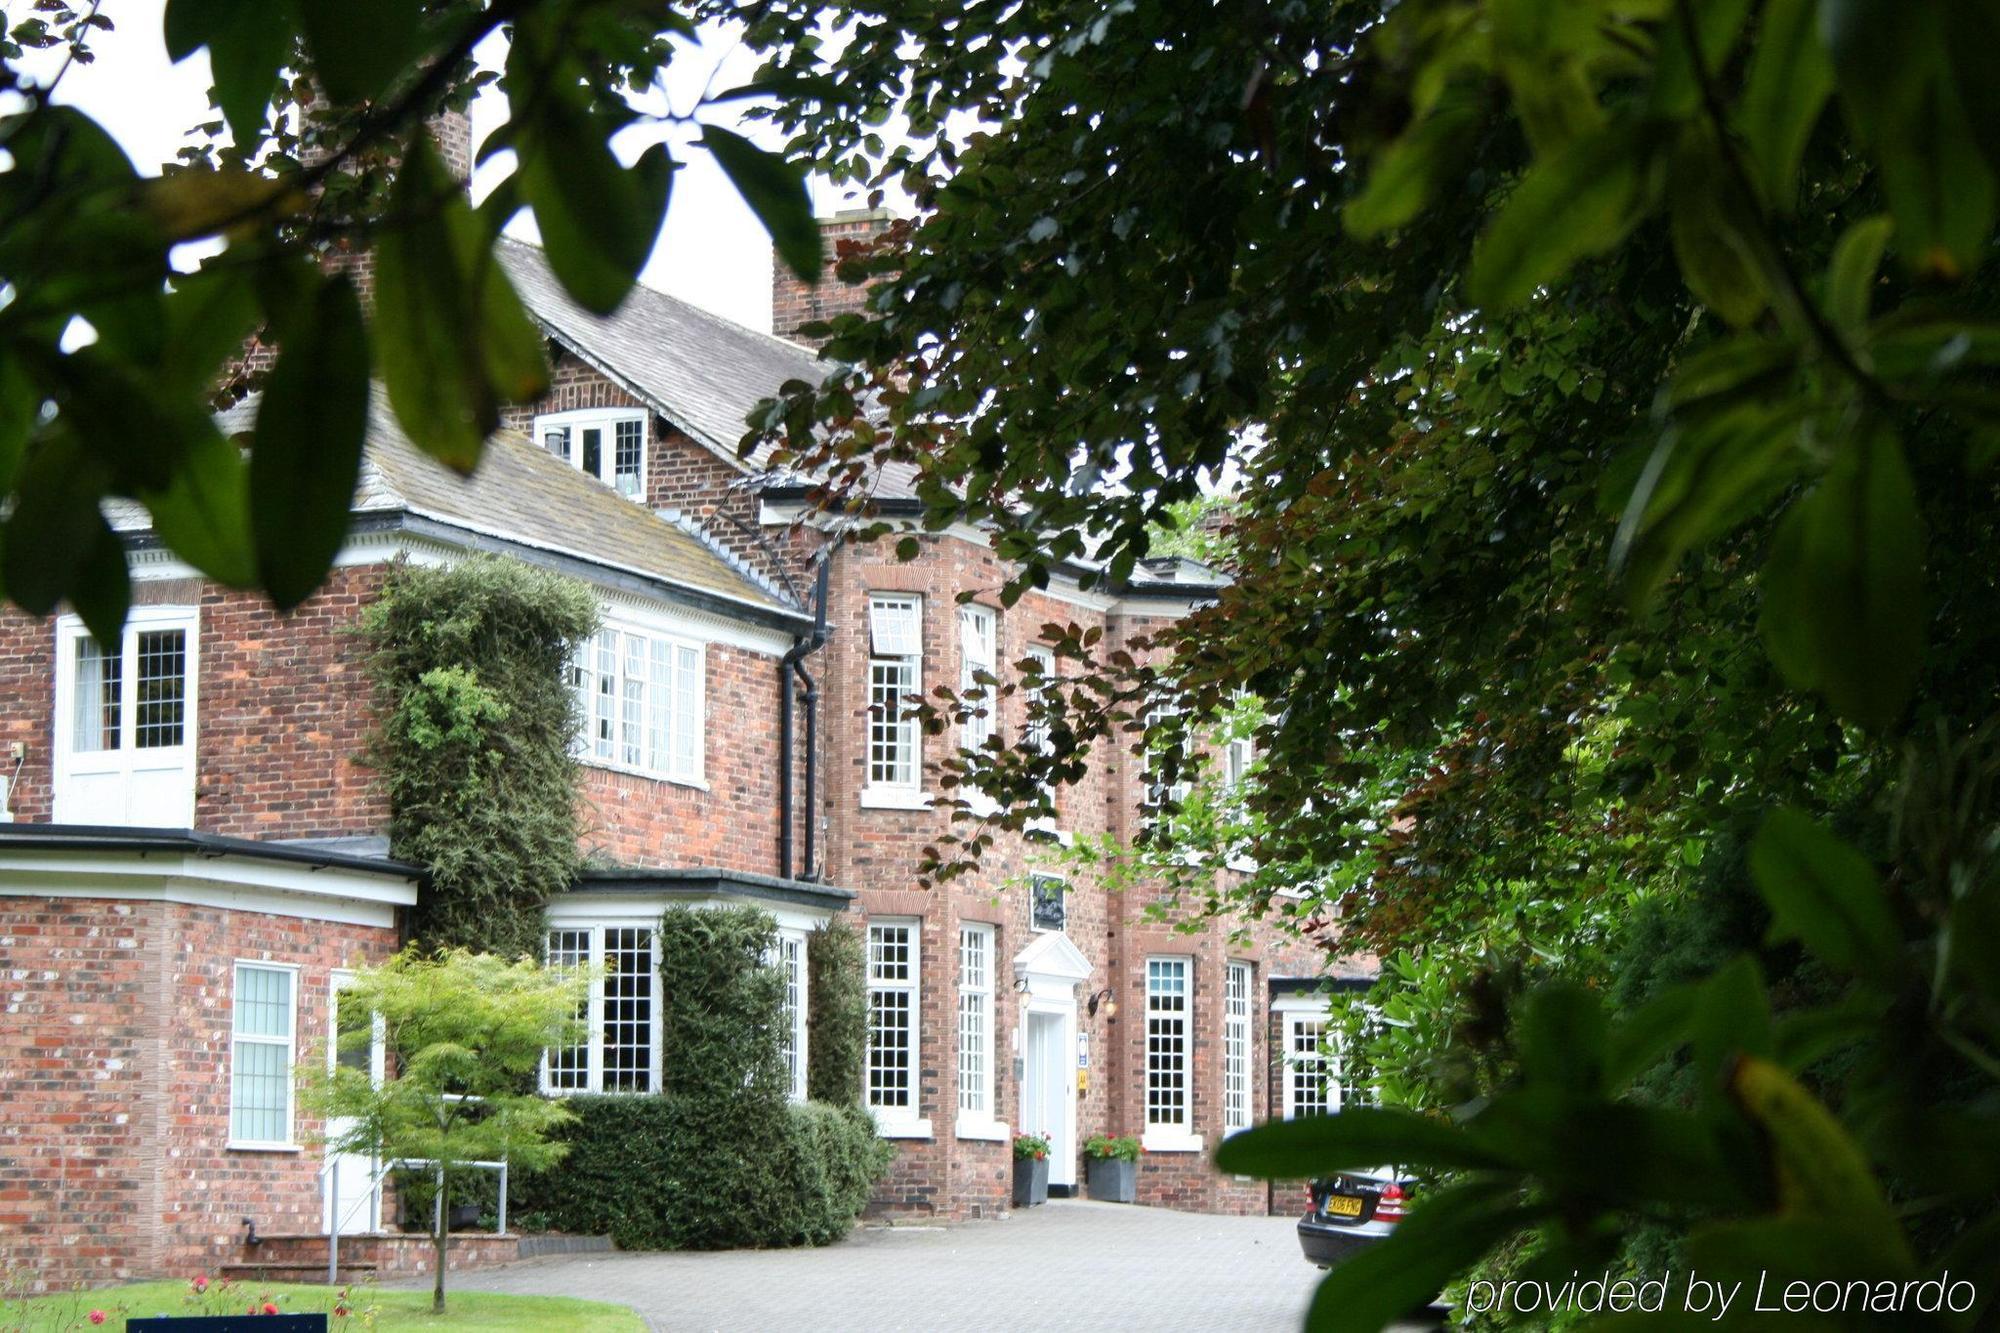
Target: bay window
(890,1086)
(1236,1048)
(978,633)
(620,1051)
(975,1025)
(895,678)
(792,1032)
(1169,1123)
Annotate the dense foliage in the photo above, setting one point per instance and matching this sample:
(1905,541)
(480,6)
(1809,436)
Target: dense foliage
(836,1013)
(473,742)
(720,1158)
(463,1034)
(111,358)
(673,1172)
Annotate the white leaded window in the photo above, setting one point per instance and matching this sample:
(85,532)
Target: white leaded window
(975,1022)
(891,1072)
(640,697)
(792,1038)
(1236,1048)
(607,443)
(1159,791)
(1167,1052)
(1312,1085)
(125,721)
(978,636)
(263,1037)
(1036,734)
(621,1046)
(895,679)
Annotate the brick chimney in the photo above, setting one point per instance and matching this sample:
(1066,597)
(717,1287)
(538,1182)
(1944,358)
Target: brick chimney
(794,303)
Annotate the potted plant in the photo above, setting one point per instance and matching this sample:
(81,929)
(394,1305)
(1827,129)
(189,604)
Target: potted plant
(1111,1167)
(1031,1170)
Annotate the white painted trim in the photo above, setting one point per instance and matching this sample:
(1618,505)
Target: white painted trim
(896,1127)
(70,632)
(1159,1140)
(1302,1004)
(988,1131)
(1062,1008)
(231,883)
(884,797)
(1172,1137)
(606,419)
(576,909)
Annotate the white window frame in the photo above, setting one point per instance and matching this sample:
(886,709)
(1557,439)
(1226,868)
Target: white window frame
(668,705)
(1238,1083)
(73,765)
(1319,1064)
(979,651)
(978,1050)
(572,424)
(896,648)
(290,1043)
(594,1004)
(897,1122)
(1162,1134)
(1155,792)
(792,963)
(1035,736)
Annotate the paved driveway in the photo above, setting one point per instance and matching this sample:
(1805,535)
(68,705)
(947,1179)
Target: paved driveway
(1070,1264)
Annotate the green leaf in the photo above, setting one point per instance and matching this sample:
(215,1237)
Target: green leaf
(1562,1037)
(1648,1035)
(53,532)
(1825,894)
(204,515)
(101,591)
(1851,273)
(20,409)
(247,45)
(776,193)
(1732,1017)
(306,452)
(1576,203)
(360,46)
(455,343)
(209,313)
(1442,1237)
(598,220)
(1403,176)
(1358,1137)
(1971,40)
(1843,586)
(1788,82)
(1711,234)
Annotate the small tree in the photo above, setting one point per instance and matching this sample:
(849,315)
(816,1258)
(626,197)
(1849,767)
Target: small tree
(464,1034)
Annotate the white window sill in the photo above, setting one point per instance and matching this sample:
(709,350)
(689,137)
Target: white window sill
(1160,1140)
(991,1131)
(901,1127)
(265,1147)
(1242,865)
(612,766)
(894,798)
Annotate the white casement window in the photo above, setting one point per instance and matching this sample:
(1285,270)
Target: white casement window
(792,1039)
(1035,736)
(125,721)
(1236,1048)
(975,1022)
(895,679)
(620,1051)
(1169,1000)
(1312,1083)
(641,698)
(891,1071)
(978,657)
(1158,791)
(263,1038)
(607,443)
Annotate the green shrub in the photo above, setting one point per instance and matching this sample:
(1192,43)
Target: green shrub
(473,742)
(684,1172)
(720,1026)
(836,1014)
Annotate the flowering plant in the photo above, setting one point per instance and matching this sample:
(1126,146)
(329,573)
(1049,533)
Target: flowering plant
(1029,1147)
(1123,1148)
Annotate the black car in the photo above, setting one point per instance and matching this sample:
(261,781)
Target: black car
(1349,1211)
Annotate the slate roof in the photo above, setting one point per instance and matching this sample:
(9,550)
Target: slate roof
(525,498)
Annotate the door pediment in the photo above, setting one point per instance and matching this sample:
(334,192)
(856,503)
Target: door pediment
(1052,959)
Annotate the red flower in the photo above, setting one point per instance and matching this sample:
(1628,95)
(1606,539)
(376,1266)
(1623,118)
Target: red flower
(270,1308)
(97,1316)
(200,1284)
(340,1312)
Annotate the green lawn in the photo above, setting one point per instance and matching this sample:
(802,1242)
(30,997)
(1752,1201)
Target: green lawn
(392,1309)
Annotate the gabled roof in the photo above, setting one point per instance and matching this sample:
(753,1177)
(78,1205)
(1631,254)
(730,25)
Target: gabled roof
(700,371)
(527,501)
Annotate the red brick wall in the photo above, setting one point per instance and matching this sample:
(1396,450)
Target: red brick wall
(114,1162)
(794,303)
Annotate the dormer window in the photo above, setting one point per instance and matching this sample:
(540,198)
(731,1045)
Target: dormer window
(609,443)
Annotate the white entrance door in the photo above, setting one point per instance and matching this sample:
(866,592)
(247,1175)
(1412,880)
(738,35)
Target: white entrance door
(1048,1091)
(353,1202)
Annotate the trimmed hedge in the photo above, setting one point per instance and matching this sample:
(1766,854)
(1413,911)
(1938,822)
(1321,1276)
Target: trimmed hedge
(678,1172)
(723,1004)
(837,1014)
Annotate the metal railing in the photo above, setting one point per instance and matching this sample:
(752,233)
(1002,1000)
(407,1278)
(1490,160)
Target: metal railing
(329,1173)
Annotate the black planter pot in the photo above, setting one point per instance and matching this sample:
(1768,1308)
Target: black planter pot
(1031,1181)
(1112,1179)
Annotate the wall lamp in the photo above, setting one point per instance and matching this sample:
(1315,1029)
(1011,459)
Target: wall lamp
(1103,997)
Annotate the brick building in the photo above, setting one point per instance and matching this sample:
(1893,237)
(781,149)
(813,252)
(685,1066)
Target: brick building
(192,855)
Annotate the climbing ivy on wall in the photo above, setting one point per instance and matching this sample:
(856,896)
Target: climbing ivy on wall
(472,742)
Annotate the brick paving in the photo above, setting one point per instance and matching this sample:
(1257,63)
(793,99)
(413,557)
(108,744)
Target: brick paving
(1070,1264)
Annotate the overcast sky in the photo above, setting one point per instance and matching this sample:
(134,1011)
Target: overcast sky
(713,251)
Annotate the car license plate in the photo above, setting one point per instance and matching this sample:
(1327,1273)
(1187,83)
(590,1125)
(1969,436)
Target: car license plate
(1342,1205)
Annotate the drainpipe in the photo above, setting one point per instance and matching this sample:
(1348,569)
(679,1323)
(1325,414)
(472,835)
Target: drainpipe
(791,665)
